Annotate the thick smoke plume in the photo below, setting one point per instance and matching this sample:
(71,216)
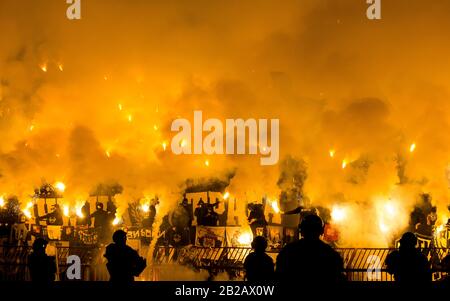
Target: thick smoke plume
(91,101)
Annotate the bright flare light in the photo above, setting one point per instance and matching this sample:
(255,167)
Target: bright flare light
(2,202)
(145,208)
(245,238)
(78,212)
(116,221)
(60,186)
(206,162)
(383,227)
(27,211)
(66,210)
(226,195)
(338,214)
(275,206)
(344,164)
(412,147)
(164,145)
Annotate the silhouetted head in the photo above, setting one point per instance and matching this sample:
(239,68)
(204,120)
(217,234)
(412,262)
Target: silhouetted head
(120,237)
(99,206)
(39,245)
(426,197)
(200,202)
(311,227)
(408,241)
(259,244)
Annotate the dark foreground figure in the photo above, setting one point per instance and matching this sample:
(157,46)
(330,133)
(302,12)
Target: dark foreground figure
(310,260)
(258,265)
(42,267)
(124,263)
(408,264)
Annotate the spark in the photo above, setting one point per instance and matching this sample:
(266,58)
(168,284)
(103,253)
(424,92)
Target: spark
(60,186)
(331,152)
(412,147)
(60,67)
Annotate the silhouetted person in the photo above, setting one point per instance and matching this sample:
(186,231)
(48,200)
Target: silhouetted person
(124,263)
(200,212)
(257,219)
(54,218)
(310,260)
(408,264)
(42,267)
(258,265)
(211,217)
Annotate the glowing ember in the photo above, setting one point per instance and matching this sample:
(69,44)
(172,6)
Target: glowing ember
(60,67)
(332,152)
(338,214)
(60,186)
(245,238)
(2,202)
(412,147)
(226,195)
(275,206)
(344,164)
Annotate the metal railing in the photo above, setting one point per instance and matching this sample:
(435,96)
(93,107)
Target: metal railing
(360,264)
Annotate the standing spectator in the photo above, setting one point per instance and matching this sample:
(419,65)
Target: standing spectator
(258,265)
(310,260)
(408,264)
(42,267)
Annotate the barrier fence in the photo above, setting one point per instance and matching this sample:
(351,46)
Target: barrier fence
(360,264)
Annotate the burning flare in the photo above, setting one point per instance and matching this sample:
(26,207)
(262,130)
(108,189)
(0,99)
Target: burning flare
(412,147)
(344,163)
(332,152)
(245,238)
(2,202)
(66,210)
(226,195)
(275,206)
(338,214)
(60,186)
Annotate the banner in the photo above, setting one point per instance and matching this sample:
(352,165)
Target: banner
(210,236)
